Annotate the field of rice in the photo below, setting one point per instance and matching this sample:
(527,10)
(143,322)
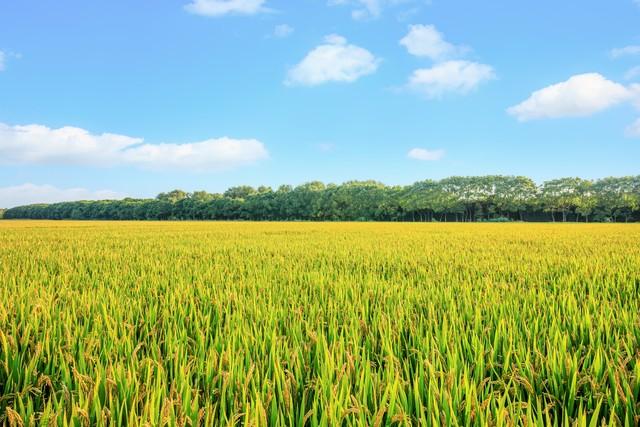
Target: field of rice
(319,324)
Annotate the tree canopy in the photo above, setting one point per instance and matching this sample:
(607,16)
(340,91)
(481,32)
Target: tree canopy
(476,198)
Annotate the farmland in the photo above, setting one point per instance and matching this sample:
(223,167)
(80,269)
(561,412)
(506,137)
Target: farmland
(319,324)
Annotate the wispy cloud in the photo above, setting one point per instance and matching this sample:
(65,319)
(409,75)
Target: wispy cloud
(425,155)
(633,73)
(215,8)
(370,9)
(633,130)
(625,51)
(364,8)
(283,30)
(451,76)
(326,147)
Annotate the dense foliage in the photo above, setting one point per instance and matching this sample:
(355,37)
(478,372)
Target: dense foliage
(450,199)
(332,324)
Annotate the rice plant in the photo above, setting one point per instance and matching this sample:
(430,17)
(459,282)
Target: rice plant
(319,324)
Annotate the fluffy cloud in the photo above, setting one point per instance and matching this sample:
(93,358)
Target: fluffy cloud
(282,31)
(447,75)
(333,61)
(27,194)
(36,144)
(625,51)
(581,95)
(426,41)
(224,7)
(450,76)
(424,154)
(633,130)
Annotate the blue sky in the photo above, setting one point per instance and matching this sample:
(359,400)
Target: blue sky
(131,98)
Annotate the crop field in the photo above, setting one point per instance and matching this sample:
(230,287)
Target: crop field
(319,324)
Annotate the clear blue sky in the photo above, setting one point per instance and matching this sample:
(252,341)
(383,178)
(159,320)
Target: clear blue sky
(135,97)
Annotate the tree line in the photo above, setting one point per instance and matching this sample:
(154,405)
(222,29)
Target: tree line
(464,199)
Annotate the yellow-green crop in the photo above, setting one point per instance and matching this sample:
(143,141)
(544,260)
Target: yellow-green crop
(109,323)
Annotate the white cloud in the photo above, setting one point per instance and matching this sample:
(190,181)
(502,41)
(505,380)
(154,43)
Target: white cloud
(27,194)
(2,56)
(282,31)
(625,51)
(424,154)
(36,144)
(633,130)
(447,75)
(210,155)
(633,73)
(225,7)
(581,95)
(426,41)
(333,61)
(450,76)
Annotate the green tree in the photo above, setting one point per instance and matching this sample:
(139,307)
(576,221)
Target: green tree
(586,200)
(172,196)
(454,198)
(561,195)
(240,192)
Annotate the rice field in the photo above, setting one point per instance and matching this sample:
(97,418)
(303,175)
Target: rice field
(319,324)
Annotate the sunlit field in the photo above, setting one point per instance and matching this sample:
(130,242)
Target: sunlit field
(319,324)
